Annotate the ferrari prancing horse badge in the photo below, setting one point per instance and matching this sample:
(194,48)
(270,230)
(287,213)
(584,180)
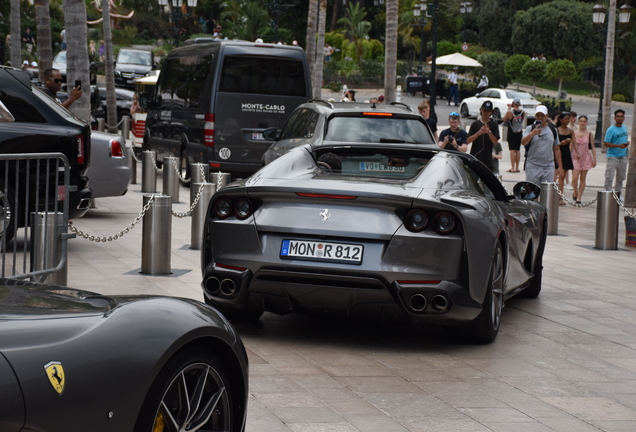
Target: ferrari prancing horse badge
(55,373)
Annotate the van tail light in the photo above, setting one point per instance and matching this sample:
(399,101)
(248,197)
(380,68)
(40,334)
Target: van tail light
(115,149)
(80,149)
(208,130)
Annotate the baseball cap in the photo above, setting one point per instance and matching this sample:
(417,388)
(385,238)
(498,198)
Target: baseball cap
(381,98)
(34,64)
(542,109)
(487,105)
(26,62)
(516,101)
(454,114)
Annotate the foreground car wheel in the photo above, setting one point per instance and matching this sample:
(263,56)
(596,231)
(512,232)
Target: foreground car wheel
(191,393)
(234,314)
(486,326)
(464,111)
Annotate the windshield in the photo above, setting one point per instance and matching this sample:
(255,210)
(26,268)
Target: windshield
(377,163)
(134,57)
(60,58)
(378,130)
(520,95)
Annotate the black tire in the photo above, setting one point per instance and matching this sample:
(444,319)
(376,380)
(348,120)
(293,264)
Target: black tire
(207,388)
(485,327)
(8,214)
(463,110)
(496,115)
(234,314)
(184,168)
(534,289)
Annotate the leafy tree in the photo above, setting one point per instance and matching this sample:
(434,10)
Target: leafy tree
(557,29)
(534,70)
(493,67)
(513,67)
(357,27)
(562,69)
(446,47)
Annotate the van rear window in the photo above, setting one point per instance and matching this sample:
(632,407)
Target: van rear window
(263,75)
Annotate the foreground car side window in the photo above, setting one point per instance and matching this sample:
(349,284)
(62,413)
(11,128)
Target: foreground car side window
(5,115)
(21,110)
(297,124)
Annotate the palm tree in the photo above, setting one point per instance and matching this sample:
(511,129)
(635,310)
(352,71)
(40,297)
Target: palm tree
(16,35)
(357,27)
(77,55)
(310,49)
(111,96)
(320,53)
(390,50)
(43,34)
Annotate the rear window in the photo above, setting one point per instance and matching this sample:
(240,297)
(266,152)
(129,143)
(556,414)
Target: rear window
(372,163)
(263,75)
(378,130)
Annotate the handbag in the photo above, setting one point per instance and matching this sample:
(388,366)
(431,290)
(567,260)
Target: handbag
(630,230)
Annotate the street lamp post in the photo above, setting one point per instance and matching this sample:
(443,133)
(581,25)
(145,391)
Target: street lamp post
(419,10)
(599,12)
(433,79)
(176,15)
(465,8)
(276,9)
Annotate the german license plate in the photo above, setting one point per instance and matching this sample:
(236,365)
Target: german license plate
(378,167)
(257,136)
(322,251)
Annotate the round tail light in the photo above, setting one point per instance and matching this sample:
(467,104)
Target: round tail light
(416,220)
(223,207)
(444,223)
(243,208)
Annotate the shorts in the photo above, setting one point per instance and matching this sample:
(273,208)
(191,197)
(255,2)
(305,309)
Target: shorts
(514,140)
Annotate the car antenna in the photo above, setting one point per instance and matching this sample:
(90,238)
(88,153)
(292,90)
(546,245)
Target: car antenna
(373,105)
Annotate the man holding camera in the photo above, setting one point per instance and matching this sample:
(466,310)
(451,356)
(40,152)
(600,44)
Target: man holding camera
(453,138)
(52,80)
(542,149)
(484,134)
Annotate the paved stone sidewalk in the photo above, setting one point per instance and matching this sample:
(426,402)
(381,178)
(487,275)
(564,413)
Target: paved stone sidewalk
(563,362)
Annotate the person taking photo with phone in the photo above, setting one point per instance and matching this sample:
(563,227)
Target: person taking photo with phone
(483,135)
(53,84)
(453,138)
(541,142)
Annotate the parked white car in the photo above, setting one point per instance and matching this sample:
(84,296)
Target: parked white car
(501,99)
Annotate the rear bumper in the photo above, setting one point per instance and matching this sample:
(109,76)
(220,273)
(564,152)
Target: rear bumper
(282,291)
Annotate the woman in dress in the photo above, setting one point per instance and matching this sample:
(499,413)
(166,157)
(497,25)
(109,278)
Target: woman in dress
(565,140)
(516,118)
(583,157)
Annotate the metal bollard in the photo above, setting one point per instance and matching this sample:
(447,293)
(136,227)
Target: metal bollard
(199,212)
(125,127)
(550,199)
(46,253)
(195,173)
(132,163)
(148,172)
(170,178)
(156,238)
(606,221)
(221,179)
(101,124)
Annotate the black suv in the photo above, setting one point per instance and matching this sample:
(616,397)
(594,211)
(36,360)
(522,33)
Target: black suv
(319,120)
(32,122)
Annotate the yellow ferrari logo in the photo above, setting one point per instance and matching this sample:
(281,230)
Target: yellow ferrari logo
(55,372)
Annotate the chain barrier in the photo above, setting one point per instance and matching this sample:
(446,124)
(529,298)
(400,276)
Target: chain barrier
(620,203)
(573,203)
(176,168)
(116,126)
(194,204)
(120,233)
(154,162)
(134,154)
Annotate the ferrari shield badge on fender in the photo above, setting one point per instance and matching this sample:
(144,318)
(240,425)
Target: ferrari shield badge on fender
(324,215)
(55,373)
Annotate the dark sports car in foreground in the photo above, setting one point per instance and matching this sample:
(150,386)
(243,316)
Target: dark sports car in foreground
(73,360)
(384,230)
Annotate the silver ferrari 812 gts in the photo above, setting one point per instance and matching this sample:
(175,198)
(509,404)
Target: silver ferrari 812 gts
(386,230)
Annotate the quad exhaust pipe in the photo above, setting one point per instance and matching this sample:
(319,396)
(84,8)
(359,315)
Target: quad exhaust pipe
(228,287)
(418,303)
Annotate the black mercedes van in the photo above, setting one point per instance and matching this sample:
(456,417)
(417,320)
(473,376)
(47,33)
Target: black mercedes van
(214,98)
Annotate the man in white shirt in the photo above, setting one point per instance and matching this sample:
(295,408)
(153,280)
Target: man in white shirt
(452,87)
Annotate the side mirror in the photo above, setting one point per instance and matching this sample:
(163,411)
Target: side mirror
(526,191)
(144,102)
(270,134)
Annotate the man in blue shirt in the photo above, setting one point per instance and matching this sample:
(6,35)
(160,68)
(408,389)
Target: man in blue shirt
(616,141)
